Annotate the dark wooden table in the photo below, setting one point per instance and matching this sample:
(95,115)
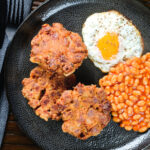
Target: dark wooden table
(14,138)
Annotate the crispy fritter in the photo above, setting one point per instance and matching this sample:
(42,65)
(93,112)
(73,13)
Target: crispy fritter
(43,89)
(85,111)
(57,49)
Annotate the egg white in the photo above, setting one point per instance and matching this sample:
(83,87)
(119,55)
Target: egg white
(98,25)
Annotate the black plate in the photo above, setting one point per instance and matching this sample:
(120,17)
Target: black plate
(71,14)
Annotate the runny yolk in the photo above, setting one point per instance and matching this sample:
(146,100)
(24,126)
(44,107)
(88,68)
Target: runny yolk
(108,45)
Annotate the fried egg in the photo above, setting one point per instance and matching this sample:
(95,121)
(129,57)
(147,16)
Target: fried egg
(111,38)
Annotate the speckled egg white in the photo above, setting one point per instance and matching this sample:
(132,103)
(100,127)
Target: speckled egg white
(111,38)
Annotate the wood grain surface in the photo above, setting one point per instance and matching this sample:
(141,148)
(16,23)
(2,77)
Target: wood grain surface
(14,138)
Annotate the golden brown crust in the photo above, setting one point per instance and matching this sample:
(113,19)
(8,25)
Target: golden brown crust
(43,89)
(85,111)
(57,49)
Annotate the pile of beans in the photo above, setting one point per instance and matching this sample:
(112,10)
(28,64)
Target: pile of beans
(128,89)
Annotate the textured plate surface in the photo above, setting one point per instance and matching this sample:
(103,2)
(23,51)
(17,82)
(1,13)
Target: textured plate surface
(72,15)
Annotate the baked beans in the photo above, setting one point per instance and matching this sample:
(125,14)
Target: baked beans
(128,89)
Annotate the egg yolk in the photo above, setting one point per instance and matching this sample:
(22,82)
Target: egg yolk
(108,45)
